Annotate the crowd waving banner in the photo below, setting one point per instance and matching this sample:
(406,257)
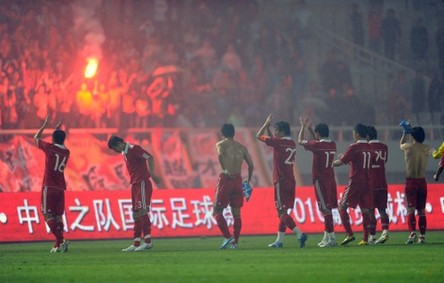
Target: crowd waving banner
(187,213)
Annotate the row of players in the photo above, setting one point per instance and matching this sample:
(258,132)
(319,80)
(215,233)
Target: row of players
(367,186)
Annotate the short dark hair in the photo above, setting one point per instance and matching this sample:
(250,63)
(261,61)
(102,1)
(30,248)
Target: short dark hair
(58,136)
(322,130)
(113,141)
(361,130)
(284,127)
(227,130)
(372,133)
(418,134)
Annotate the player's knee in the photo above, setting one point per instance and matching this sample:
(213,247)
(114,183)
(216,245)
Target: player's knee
(281,212)
(49,216)
(326,211)
(217,210)
(235,211)
(421,212)
(139,213)
(410,210)
(342,207)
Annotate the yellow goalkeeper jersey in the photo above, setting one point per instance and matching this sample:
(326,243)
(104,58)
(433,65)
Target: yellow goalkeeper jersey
(438,153)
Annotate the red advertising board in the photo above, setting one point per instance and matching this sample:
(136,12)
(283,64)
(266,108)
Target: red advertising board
(185,212)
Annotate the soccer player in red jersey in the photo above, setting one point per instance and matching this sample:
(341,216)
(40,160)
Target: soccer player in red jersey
(140,165)
(358,191)
(378,182)
(54,185)
(229,185)
(284,153)
(324,182)
(416,156)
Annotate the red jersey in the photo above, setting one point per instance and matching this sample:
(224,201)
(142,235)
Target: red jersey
(323,156)
(56,158)
(377,169)
(359,155)
(136,163)
(284,153)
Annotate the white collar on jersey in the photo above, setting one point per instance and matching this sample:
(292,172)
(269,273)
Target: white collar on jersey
(127,146)
(325,140)
(62,146)
(361,141)
(373,141)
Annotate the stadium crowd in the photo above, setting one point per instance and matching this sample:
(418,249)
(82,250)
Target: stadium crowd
(171,63)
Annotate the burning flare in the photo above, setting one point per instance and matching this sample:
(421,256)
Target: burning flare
(91,68)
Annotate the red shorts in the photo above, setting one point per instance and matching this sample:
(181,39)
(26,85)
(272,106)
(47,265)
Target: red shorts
(52,201)
(141,195)
(229,191)
(380,198)
(357,192)
(416,193)
(284,194)
(326,193)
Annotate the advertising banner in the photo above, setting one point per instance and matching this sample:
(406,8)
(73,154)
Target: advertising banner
(186,213)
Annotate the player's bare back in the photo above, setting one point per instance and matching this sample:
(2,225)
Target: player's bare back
(231,154)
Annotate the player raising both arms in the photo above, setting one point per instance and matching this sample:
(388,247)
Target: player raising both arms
(54,185)
(229,185)
(284,153)
(140,165)
(324,182)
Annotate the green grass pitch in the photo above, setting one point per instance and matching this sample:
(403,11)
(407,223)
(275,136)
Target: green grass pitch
(200,260)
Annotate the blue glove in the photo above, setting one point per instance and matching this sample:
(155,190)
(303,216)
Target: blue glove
(248,190)
(406,127)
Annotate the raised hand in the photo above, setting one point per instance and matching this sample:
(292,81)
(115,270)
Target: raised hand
(59,124)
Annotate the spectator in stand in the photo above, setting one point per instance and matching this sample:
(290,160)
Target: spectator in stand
(434,97)
(356,24)
(40,102)
(418,98)
(84,105)
(439,37)
(419,42)
(398,103)
(390,33)
(374,30)
(236,117)
(231,60)
(259,77)
(206,55)
(302,17)
(10,115)
(335,73)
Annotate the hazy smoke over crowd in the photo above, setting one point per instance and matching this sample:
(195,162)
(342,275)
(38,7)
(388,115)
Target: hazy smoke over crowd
(87,22)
